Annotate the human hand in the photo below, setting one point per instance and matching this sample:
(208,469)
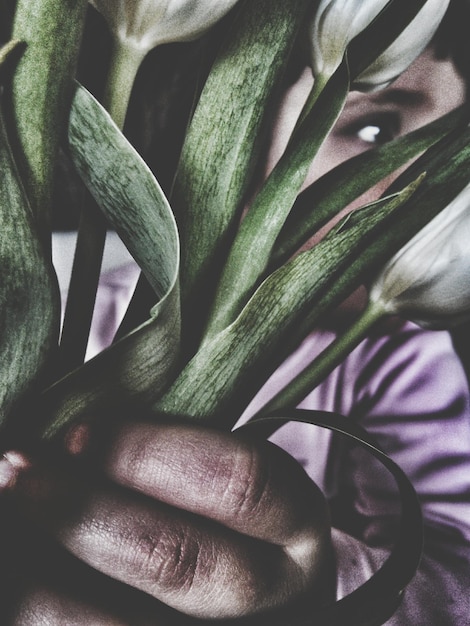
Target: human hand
(206,522)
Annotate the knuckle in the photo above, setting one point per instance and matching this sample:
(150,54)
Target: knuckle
(247,487)
(171,562)
(136,463)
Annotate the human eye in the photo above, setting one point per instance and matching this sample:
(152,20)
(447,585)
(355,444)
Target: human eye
(372,131)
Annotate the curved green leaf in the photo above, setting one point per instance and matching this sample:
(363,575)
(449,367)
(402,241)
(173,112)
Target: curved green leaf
(125,189)
(29,297)
(226,371)
(138,367)
(124,379)
(248,258)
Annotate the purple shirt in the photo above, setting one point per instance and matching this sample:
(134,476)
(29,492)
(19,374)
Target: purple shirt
(407,387)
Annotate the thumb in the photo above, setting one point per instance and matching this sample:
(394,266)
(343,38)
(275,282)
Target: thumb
(45,487)
(12,465)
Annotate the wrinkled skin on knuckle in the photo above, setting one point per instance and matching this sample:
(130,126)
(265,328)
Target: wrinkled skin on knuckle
(247,487)
(219,574)
(242,584)
(270,492)
(181,565)
(255,524)
(194,575)
(137,460)
(171,561)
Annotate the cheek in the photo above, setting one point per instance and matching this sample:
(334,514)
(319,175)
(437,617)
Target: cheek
(331,154)
(289,111)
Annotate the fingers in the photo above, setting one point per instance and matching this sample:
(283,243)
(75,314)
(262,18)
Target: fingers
(12,464)
(44,585)
(39,582)
(40,603)
(205,522)
(68,598)
(191,564)
(187,563)
(257,489)
(44,607)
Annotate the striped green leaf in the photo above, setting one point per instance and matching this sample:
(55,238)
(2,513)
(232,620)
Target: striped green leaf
(29,298)
(136,368)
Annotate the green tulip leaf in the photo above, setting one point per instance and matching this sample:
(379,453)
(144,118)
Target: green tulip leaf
(136,368)
(125,189)
(29,297)
(37,106)
(220,380)
(322,200)
(224,139)
(227,370)
(252,247)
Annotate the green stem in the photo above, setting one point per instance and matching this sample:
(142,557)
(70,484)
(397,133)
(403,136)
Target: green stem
(317,88)
(7,54)
(124,65)
(84,280)
(309,378)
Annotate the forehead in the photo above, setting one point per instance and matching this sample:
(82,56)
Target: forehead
(429,83)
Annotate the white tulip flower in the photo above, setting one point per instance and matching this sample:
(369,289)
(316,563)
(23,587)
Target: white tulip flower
(145,24)
(428,280)
(138,26)
(337,22)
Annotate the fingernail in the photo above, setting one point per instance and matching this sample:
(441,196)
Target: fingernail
(12,464)
(77,439)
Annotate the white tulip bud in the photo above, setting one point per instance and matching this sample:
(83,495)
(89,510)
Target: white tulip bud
(337,22)
(138,26)
(428,280)
(145,24)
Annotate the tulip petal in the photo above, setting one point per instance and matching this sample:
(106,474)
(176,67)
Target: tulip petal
(338,22)
(145,24)
(404,50)
(428,280)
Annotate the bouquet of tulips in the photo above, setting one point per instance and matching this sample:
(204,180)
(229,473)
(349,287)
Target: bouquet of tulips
(230,301)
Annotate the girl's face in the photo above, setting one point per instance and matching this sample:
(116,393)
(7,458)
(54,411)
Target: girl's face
(428,89)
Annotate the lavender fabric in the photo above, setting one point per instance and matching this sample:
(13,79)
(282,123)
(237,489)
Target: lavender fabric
(407,387)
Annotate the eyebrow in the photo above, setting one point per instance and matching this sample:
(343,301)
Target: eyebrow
(396,96)
(401,97)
